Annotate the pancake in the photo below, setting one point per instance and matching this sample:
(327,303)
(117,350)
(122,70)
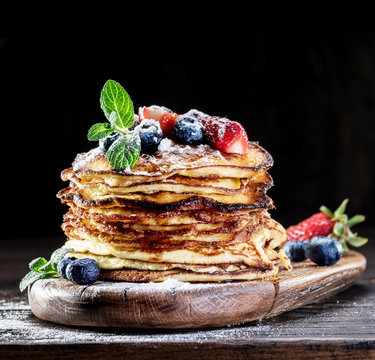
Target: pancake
(157,217)
(191,213)
(122,228)
(187,276)
(177,159)
(177,183)
(252,198)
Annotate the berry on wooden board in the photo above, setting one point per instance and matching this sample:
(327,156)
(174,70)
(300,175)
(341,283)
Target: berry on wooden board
(63,264)
(295,250)
(83,271)
(324,251)
(336,225)
(318,224)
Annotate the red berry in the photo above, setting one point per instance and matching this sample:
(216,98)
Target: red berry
(316,225)
(150,112)
(166,123)
(225,135)
(166,119)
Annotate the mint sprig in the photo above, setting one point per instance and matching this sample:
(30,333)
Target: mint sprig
(40,268)
(99,131)
(342,228)
(125,150)
(117,105)
(119,111)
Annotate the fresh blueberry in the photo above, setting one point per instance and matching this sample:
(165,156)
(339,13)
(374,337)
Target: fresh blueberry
(83,271)
(62,265)
(195,113)
(295,250)
(324,251)
(150,134)
(189,130)
(105,143)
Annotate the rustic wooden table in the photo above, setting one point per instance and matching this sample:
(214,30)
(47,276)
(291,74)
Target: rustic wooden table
(341,327)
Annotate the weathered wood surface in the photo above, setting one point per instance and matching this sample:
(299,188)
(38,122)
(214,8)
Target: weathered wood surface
(339,327)
(174,304)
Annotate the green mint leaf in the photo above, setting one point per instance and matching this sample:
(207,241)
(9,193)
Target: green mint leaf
(326,211)
(114,98)
(50,266)
(357,241)
(113,119)
(37,263)
(124,152)
(99,131)
(356,220)
(341,209)
(41,269)
(59,254)
(56,256)
(33,276)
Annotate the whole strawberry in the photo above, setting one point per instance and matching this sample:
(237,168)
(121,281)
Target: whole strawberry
(327,223)
(318,224)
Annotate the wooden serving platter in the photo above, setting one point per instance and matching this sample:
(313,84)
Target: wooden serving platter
(174,304)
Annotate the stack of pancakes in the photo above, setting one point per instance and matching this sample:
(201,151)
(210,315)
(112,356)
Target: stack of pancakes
(191,213)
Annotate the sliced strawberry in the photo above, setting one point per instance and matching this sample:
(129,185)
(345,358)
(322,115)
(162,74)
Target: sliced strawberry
(166,122)
(225,135)
(153,112)
(158,113)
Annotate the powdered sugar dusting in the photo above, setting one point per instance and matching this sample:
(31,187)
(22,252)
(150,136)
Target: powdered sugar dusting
(221,128)
(168,147)
(14,303)
(165,145)
(169,157)
(82,160)
(172,284)
(320,321)
(216,127)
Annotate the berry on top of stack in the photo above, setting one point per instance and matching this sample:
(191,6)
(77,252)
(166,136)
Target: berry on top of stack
(196,127)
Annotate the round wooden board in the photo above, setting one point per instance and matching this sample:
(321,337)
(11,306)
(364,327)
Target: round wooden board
(175,304)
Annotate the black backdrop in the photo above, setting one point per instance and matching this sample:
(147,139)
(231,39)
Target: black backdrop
(308,98)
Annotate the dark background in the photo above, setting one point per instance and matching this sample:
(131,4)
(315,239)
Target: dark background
(308,98)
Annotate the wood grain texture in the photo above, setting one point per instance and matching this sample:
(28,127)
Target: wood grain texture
(174,305)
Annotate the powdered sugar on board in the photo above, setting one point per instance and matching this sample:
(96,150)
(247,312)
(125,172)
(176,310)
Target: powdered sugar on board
(323,320)
(101,287)
(9,301)
(172,284)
